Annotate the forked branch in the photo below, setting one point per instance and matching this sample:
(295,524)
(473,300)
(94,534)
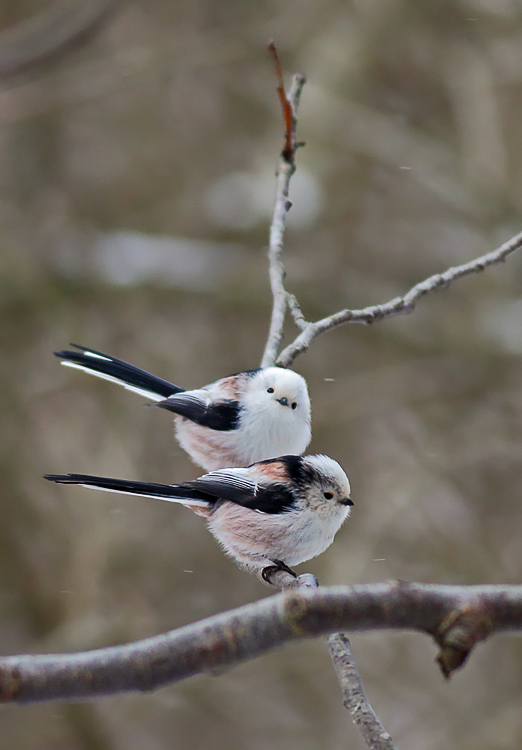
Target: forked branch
(283,300)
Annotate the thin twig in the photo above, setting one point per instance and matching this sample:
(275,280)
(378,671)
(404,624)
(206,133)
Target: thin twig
(49,33)
(285,170)
(354,694)
(355,699)
(282,300)
(458,617)
(397,306)
(295,309)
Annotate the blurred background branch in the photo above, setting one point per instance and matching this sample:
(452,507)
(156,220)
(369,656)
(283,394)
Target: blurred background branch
(55,30)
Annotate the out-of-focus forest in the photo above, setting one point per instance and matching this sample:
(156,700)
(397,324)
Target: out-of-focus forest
(136,186)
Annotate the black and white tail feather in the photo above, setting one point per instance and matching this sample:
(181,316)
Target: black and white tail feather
(119,372)
(186,496)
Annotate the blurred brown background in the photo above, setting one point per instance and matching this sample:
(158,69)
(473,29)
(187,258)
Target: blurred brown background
(136,184)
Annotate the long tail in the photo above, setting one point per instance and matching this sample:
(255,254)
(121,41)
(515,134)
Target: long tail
(170,492)
(117,371)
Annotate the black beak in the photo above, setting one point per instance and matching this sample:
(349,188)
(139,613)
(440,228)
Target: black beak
(283,401)
(346,501)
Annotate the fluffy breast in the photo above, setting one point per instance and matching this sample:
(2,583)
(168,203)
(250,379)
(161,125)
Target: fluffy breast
(293,537)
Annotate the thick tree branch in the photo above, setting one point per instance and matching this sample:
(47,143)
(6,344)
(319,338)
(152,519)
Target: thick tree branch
(51,32)
(458,617)
(285,170)
(397,306)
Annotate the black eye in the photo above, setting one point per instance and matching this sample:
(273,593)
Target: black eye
(328,495)
(269,390)
(294,405)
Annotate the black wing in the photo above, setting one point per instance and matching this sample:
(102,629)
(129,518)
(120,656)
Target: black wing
(237,487)
(118,371)
(221,416)
(172,493)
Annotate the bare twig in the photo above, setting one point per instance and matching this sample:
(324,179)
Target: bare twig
(285,170)
(458,617)
(297,313)
(282,300)
(354,694)
(355,699)
(397,306)
(51,32)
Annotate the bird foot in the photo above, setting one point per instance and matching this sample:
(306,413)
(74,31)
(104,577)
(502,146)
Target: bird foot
(267,572)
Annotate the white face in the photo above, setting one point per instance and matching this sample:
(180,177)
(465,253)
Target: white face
(287,389)
(276,419)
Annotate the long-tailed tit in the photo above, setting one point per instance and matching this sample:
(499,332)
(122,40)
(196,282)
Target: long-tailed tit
(269,516)
(236,421)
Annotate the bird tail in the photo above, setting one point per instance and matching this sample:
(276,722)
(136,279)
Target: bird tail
(117,371)
(170,492)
